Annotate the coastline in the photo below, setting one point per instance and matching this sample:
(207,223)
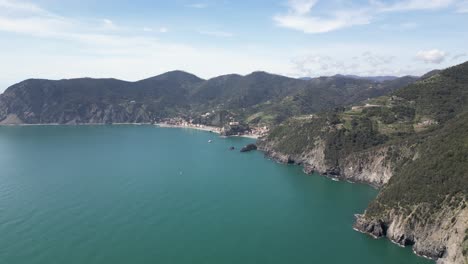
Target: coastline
(212,129)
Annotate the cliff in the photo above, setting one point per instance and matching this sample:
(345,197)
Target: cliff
(374,166)
(422,181)
(440,236)
(412,145)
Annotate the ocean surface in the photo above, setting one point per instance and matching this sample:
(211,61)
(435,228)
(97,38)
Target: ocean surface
(143,194)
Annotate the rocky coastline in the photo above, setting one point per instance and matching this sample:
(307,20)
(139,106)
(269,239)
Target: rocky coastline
(373,167)
(439,241)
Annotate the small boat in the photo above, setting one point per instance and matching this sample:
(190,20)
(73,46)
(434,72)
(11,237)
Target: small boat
(209,141)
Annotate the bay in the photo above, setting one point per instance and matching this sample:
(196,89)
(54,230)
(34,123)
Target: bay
(143,194)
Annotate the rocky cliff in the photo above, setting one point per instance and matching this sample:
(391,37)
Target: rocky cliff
(412,145)
(435,228)
(374,166)
(438,236)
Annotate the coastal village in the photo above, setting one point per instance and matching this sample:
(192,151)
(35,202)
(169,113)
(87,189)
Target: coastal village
(231,128)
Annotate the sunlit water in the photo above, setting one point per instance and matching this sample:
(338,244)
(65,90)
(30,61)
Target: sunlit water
(142,194)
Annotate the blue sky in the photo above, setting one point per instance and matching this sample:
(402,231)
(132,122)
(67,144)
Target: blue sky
(132,40)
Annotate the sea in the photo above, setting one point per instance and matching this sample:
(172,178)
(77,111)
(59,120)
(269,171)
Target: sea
(145,194)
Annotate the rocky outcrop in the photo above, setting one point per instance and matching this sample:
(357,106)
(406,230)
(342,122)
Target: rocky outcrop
(438,235)
(375,166)
(375,227)
(248,148)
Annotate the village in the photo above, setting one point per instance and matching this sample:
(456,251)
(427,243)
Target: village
(231,128)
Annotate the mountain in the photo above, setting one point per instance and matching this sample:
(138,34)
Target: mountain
(93,100)
(412,144)
(373,78)
(369,78)
(265,99)
(259,98)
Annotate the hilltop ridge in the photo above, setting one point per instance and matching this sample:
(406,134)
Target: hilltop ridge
(256,99)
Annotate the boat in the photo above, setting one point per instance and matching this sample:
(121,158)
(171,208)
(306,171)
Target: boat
(209,141)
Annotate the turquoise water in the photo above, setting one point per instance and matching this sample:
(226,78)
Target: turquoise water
(142,194)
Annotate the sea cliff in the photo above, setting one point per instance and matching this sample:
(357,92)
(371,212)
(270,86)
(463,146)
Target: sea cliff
(439,238)
(374,166)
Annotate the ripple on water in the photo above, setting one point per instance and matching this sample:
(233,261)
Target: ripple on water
(116,195)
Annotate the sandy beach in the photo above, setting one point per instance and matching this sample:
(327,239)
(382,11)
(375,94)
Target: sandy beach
(216,130)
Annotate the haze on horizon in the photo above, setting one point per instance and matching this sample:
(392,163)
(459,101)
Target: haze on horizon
(132,40)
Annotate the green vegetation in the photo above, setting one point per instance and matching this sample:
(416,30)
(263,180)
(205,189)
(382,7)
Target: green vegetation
(423,126)
(297,135)
(256,99)
(440,96)
(438,174)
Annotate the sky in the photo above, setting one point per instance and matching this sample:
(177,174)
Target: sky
(133,40)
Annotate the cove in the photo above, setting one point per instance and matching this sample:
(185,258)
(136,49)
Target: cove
(143,194)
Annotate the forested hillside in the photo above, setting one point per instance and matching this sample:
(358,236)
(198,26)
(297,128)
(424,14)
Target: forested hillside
(257,99)
(412,143)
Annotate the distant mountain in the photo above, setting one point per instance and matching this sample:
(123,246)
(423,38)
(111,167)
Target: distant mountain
(411,143)
(370,78)
(259,98)
(374,78)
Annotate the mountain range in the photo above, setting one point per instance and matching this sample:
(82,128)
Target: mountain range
(370,78)
(259,98)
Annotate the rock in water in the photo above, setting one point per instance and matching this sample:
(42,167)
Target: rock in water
(248,148)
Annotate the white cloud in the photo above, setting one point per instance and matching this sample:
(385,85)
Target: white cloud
(301,13)
(27,18)
(298,17)
(365,64)
(311,24)
(301,7)
(216,33)
(198,5)
(16,6)
(431,56)
(160,30)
